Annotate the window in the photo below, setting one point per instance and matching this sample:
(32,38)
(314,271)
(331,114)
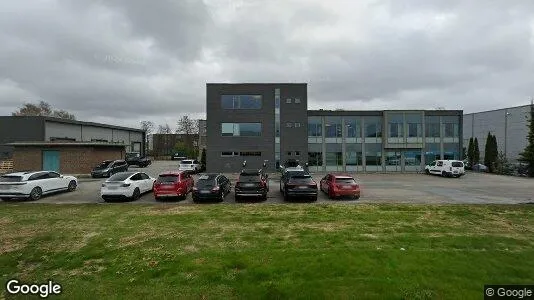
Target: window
(353,155)
(373,154)
(315,155)
(241,129)
(241,101)
(250,153)
(395,130)
(143,176)
(288,100)
(53,175)
(297,124)
(432,126)
(315,127)
(412,158)
(396,125)
(297,153)
(333,127)
(415,124)
(353,127)
(373,127)
(440,163)
(289,153)
(334,155)
(450,130)
(414,130)
(297,100)
(289,124)
(229,154)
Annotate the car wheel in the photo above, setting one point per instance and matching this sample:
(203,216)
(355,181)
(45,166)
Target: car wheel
(221,198)
(330,195)
(136,194)
(314,199)
(443,174)
(72,186)
(36,193)
(237,199)
(5,199)
(427,172)
(195,200)
(105,199)
(157,198)
(286,197)
(264,197)
(356,197)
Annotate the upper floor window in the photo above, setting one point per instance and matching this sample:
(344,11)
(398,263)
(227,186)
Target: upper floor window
(297,124)
(432,126)
(241,101)
(297,100)
(333,127)
(288,100)
(289,124)
(373,127)
(241,129)
(315,127)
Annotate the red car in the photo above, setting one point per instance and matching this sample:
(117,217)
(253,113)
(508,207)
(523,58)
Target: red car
(173,184)
(337,185)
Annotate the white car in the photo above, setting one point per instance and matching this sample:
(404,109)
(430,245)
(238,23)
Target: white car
(191,165)
(33,185)
(446,168)
(126,185)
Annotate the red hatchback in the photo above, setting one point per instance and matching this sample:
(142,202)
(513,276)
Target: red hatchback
(340,185)
(173,184)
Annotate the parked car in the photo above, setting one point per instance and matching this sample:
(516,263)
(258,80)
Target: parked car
(288,173)
(33,185)
(126,185)
(135,159)
(109,167)
(251,183)
(211,186)
(340,185)
(173,184)
(300,186)
(178,157)
(446,168)
(480,168)
(190,165)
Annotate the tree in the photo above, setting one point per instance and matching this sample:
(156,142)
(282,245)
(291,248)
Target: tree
(188,127)
(527,156)
(184,150)
(42,109)
(503,167)
(471,151)
(490,152)
(148,128)
(476,152)
(164,129)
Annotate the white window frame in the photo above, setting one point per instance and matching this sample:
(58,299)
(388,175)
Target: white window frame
(288,100)
(289,124)
(297,100)
(297,124)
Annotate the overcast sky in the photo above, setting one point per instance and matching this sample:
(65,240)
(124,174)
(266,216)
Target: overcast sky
(123,61)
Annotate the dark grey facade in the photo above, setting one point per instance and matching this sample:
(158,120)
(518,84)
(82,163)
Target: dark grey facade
(255,122)
(49,129)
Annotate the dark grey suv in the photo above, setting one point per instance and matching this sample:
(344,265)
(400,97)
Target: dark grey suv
(109,167)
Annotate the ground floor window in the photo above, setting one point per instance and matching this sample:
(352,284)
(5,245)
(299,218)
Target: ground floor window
(334,155)
(373,154)
(315,158)
(353,155)
(412,158)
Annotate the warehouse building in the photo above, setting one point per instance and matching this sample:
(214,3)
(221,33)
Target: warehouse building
(271,123)
(509,125)
(48,141)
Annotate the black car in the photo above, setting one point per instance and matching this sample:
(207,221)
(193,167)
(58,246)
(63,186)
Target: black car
(109,167)
(251,183)
(211,187)
(290,172)
(300,186)
(135,159)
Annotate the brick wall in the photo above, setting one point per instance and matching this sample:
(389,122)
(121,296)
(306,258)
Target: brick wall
(73,160)
(27,159)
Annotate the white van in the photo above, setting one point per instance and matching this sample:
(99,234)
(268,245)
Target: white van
(446,168)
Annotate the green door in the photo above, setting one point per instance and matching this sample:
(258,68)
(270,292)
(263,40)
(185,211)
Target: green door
(51,160)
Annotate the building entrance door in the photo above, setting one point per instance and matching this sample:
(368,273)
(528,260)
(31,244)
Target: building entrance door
(51,160)
(393,161)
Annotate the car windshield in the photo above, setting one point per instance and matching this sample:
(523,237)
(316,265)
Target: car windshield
(345,180)
(249,178)
(206,182)
(167,178)
(7,178)
(103,165)
(296,173)
(187,162)
(301,179)
(457,164)
(120,176)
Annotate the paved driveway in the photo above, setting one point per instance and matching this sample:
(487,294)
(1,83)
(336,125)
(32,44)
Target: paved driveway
(473,188)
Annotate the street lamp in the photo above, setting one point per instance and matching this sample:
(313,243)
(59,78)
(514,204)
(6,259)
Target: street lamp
(506,131)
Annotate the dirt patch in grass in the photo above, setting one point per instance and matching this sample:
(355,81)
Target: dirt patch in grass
(13,240)
(172,210)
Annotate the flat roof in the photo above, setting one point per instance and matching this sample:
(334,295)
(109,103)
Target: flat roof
(493,110)
(256,83)
(75,144)
(67,121)
(325,112)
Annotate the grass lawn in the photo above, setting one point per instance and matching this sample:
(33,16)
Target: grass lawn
(256,251)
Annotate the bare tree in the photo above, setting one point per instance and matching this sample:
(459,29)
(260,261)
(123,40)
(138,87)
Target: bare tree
(188,127)
(164,129)
(147,126)
(42,109)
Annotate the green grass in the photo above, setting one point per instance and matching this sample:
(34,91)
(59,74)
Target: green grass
(268,251)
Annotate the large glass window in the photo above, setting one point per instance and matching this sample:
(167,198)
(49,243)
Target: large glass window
(315,155)
(432,152)
(415,124)
(241,129)
(451,151)
(353,154)
(393,158)
(373,154)
(432,126)
(334,155)
(396,124)
(373,127)
(315,127)
(412,158)
(333,127)
(353,125)
(451,126)
(241,101)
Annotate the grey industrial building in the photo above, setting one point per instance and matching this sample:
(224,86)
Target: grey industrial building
(509,125)
(271,123)
(49,129)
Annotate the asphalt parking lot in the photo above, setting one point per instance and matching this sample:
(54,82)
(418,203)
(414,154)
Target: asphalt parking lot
(474,188)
